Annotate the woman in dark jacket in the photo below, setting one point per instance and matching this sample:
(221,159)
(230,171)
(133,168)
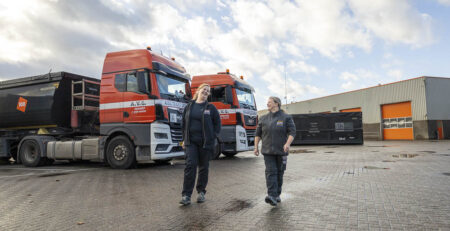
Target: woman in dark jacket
(276,129)
(201,127)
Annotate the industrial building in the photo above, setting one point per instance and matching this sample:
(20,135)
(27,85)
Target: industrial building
(413,109)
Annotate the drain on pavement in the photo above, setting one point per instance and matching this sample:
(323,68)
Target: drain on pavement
(405,155)
(374,167)
(301,151)
(54,174)
(329,152)
(238,205)
(388,161)
(428,151)
(446,173)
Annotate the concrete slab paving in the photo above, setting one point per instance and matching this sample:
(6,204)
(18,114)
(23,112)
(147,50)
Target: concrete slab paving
(398,185)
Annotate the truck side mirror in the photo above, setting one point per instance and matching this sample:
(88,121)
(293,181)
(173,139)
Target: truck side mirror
(142,84)
(229,95)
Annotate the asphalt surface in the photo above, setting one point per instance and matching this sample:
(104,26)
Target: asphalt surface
(380,185)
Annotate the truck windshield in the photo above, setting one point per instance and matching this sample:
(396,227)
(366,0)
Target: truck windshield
(245,98)
(172,87)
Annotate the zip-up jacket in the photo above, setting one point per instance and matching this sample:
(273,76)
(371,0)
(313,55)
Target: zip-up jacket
(210,121)
(274,130)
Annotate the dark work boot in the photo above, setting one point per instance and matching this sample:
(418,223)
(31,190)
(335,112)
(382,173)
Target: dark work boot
(278,199)
(271,200)
(185,200)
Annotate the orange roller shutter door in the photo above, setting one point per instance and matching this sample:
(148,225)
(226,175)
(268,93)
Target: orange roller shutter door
(397,121)
(356,109)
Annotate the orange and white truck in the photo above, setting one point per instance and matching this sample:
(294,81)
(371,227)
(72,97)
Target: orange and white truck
(133,114)
(233,97)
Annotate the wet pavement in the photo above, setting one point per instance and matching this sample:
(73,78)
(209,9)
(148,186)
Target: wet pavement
(380,185)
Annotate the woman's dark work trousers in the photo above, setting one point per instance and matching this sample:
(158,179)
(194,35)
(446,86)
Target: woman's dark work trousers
(275,167)
(196,156)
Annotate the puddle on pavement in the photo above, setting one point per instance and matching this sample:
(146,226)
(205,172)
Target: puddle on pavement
(428,151)
(374,167)
(329,152)
(405,155)
(446,173)
(301,151)
(54,174)
(238,205)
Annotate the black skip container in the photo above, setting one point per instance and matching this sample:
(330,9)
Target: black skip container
(43,100)
(328,128)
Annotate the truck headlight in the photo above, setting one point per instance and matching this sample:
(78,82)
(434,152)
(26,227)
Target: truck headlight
(161,135)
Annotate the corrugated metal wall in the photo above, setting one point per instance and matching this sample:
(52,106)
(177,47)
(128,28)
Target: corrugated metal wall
(369,100)
(438,98)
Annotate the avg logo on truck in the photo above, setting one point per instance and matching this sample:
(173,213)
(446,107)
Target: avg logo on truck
(22,104)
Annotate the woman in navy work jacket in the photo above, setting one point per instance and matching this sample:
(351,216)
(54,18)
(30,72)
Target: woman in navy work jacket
(201,126)
(276,129)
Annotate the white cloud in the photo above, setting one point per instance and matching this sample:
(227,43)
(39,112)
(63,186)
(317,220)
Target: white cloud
(249,37)
(444,2)
(348,76)
(358,79)
(394,21)
(301,66)
(396,74)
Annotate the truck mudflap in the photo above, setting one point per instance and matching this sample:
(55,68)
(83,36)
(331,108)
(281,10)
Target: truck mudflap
(163,145)
(241,139)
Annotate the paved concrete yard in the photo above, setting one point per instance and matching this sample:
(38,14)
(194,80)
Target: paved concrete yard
(370,187)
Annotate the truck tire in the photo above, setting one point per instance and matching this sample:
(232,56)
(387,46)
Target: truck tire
(217,151)
(30,154)
(120,153)
(229,154)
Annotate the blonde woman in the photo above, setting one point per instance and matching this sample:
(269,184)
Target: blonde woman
(201,126)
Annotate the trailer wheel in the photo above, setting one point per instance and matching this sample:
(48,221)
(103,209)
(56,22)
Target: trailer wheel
(229,154)
(120,153)
(30,154)
(217,150)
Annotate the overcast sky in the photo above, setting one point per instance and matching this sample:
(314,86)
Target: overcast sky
(322,47)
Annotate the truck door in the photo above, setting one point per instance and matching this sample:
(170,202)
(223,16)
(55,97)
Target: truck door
(137,105)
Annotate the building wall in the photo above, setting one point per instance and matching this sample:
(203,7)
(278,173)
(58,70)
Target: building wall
(370,100)
(438,98)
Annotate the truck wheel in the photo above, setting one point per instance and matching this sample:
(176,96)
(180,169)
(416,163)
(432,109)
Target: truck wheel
(30,154)
(120,153)
(217,151)
(229,154)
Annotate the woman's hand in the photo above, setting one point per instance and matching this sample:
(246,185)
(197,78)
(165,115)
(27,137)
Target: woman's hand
(256,151)
(286,148)
(182,145)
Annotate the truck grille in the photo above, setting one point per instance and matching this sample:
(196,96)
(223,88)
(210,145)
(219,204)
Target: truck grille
(250,120)
(177,134)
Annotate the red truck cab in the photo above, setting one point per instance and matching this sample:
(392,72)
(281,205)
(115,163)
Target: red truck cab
(142,96)
(234,99)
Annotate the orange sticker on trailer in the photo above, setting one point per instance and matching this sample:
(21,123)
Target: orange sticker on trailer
(22,104)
